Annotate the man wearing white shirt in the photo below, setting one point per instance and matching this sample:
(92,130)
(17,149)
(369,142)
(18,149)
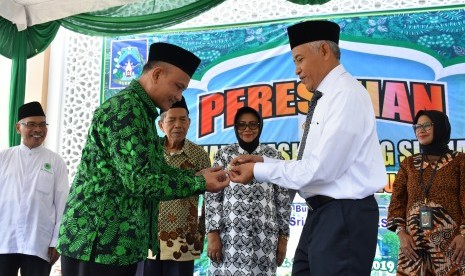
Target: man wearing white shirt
(33,190)
(341,166)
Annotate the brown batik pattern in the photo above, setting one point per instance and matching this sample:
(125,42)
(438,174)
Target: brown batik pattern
(181,233)
(447,201)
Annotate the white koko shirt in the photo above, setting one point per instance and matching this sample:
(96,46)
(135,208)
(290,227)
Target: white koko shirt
(33,190)
(342,157)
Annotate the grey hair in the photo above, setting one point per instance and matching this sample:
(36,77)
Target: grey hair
(332,45)
(164,114)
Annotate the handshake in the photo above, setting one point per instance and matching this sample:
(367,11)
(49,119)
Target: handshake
(239,170)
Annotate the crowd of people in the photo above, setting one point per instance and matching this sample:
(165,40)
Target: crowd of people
(133,207)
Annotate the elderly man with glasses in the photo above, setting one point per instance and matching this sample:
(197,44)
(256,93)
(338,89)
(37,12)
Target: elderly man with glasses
(33,191)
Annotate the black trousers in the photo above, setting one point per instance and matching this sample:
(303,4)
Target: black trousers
(74,267)
(159,267)
(339,238)
(27,264)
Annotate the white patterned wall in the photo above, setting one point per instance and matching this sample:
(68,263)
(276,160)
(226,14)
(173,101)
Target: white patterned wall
(81,94)
(240,11)
(81,76)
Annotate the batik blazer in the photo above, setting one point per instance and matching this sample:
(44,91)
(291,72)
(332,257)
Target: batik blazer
(446,199)
(122,170)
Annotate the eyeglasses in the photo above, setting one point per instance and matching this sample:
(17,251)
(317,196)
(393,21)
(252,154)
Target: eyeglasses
(32,125)
(425,126)
(244,125)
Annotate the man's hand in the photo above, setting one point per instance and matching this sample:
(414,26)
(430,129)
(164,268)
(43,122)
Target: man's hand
(242,173)
(53,255)
(281,251)
(202,172)
(216,179)
(246,158)
(214,249)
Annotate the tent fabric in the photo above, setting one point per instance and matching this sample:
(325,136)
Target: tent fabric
(26,13)
(137,18)
(17,85)
(30,38)
(19,46)
(36,38)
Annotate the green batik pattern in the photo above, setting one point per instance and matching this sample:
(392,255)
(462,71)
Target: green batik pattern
(441,33)
(181,231)
(438,33)
(122,170)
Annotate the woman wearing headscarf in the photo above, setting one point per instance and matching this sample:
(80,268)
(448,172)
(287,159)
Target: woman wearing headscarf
(247,225)
(427,209)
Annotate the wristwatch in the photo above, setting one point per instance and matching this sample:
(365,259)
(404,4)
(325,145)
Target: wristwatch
(399,228)
(284,237)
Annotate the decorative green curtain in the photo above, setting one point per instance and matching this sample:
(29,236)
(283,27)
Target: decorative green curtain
(140,17)
(19,46)
(145,16)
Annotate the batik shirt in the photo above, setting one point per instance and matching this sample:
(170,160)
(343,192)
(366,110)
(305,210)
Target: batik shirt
(249,219)
(181,233)
(447,201)
(122,170)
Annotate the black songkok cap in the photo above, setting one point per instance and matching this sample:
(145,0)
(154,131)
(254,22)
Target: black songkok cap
(310,31)
(175,55)
(29,110)
(181,104)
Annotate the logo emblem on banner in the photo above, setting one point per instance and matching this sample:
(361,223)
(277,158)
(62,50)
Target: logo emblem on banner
(127,60)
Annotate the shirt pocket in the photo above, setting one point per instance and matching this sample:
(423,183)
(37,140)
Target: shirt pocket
(314,133)
(45,182)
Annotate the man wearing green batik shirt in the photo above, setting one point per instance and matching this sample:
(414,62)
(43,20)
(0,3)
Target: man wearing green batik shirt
(107,227)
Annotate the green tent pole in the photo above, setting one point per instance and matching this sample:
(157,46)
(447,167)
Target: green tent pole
(17,85)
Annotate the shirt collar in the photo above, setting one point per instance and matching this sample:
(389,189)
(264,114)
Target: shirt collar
(419,162)
(187,148)
(139,90)
(330,79)
(23,147)
(243,151)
